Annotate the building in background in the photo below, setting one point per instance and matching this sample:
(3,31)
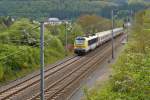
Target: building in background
(53,21)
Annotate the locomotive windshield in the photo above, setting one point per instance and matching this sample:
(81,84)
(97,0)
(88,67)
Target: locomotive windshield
(79,41)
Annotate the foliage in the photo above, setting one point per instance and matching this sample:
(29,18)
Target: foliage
(1,72)
(92,23)
(20,52)
(20,32)
(26,58)
(60,31)
(63,8)
(77,30)
(132,72)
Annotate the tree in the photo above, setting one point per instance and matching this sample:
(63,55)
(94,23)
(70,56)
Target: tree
(141,35)
(92,23)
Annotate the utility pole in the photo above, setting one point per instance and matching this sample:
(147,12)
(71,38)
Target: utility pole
(42,58)
(112,14)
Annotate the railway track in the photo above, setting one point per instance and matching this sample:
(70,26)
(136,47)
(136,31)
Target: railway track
(67,90)
(7,93)
(75,68)
(53,91)
(14,90)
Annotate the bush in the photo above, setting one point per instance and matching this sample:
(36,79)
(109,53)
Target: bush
(55,43)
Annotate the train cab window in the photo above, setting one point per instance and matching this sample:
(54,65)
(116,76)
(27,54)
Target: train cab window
(80,41)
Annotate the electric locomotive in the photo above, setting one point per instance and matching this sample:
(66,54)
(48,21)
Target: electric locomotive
(83,45)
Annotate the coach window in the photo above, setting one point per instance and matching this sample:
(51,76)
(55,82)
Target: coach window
(90,42)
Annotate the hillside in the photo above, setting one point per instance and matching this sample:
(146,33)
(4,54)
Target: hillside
(60,8)
(19,43)
(130,79)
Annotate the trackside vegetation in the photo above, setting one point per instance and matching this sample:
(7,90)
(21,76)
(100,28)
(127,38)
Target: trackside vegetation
(19,49)
(20,41)
(131,77)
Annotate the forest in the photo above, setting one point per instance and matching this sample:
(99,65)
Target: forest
(67,9)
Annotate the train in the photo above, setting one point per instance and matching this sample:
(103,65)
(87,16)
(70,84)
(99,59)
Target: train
(84,44)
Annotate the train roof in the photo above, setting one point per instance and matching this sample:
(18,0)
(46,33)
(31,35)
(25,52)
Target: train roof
(99,34)
(109,31)
(86,37)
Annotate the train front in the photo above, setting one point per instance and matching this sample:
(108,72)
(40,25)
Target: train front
(80,46)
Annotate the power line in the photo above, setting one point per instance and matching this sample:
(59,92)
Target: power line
(11,54)
(15,53)
(35,27)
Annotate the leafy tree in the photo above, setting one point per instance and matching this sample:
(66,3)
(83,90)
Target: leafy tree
(141,35)
(92,23)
